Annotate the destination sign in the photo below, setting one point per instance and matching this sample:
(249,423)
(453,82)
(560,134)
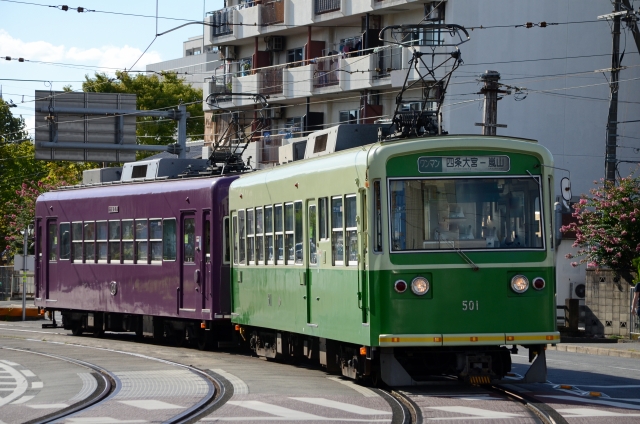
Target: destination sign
(455,164)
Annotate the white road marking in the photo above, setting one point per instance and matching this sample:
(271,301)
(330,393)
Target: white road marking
(89,385)
(477,413)
(13,364)
(37,385)
(23,399)
(101,420)
(594,401)
(623,386)
(21,384)
(150,404)
(362,390)
(48,406)
(239,386)
(27,373)
(347,407)
(274,409)
(588,412)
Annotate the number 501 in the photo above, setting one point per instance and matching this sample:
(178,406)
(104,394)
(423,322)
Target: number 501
(470,305)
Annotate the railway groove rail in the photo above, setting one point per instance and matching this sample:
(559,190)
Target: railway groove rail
(421,403)
(108,386)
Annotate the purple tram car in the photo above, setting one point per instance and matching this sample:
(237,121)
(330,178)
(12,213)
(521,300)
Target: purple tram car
(146,257)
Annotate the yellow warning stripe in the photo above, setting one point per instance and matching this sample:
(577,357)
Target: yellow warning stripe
(390,340)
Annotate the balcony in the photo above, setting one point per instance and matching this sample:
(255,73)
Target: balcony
(326,6)
(272,12)
(222,21)
(271,80)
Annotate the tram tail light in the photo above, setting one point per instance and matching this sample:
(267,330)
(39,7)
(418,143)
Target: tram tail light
(203,325)
(538,283)
(237,327)
(363,351)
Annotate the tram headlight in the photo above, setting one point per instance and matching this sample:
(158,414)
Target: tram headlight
(420,286)
(519,284)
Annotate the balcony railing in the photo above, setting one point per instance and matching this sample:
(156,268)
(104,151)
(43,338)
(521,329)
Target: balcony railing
(222,21)
(271,79)
(326,72)
(272,12)
(269,148)
(388,60)
(325,6)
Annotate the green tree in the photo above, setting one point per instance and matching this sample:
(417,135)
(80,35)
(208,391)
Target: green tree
(21,172)
(154,92)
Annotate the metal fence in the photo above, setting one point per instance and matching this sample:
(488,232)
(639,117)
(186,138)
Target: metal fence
(388,60)
(222,21)
(11,283)
(271,79)
(324,6)
(326,72)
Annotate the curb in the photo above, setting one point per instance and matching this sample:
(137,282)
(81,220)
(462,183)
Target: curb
(596,351)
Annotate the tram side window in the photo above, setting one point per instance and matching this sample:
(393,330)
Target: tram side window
(89,241)
(227,249)
(259,236)
(169,241)
(337,233)
(297,212)
(101,241)
(155,238)
(289,233)
(278,250)
(142,246)
(207,240)
(268,231)
(377,217)
(352,228)
(251,237)
(235,240)
(114,242)
(241,237)
(313,258)
(324,218)
(53,241)
(189,246)
(127,240)
(76,234)
(65,241)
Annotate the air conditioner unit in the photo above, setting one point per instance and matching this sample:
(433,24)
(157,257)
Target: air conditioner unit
(275,43)
(577,290)
(228,52)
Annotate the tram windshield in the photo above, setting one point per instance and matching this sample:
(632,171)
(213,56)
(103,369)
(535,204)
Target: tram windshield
(465,213)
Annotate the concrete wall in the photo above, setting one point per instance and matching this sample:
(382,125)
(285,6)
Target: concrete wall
(608,304)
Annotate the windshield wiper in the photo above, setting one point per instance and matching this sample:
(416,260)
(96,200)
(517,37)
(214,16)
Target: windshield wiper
(459,252)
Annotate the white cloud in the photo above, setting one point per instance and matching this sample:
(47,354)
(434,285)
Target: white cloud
(105,56)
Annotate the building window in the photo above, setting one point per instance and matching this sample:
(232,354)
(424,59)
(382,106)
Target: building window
(295,57)
(349,116)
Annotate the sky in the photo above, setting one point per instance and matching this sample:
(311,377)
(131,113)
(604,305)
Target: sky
(64,46)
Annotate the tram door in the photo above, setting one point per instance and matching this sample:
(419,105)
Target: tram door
(48,259)
(191,275)
(311,258)
(207,279)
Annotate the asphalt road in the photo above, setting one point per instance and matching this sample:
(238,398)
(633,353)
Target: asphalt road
(582,388)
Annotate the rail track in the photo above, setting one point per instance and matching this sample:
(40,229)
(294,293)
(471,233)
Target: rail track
(108,386)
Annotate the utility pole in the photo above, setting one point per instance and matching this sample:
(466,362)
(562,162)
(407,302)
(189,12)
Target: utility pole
(612,118)
(490,90)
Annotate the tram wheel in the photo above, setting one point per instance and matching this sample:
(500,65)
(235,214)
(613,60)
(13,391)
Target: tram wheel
(203,340)
(179,337)
(77,329)
(97,332)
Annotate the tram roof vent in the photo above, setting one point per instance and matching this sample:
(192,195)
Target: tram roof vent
(340,137)
(162,168)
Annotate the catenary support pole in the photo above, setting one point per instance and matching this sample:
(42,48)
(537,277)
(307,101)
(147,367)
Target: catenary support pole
(612,118)
(182,131)
(24,274)
(490,91)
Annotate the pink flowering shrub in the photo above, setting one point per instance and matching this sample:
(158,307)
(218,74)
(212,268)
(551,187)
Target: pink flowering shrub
(608,225)
(21,212)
